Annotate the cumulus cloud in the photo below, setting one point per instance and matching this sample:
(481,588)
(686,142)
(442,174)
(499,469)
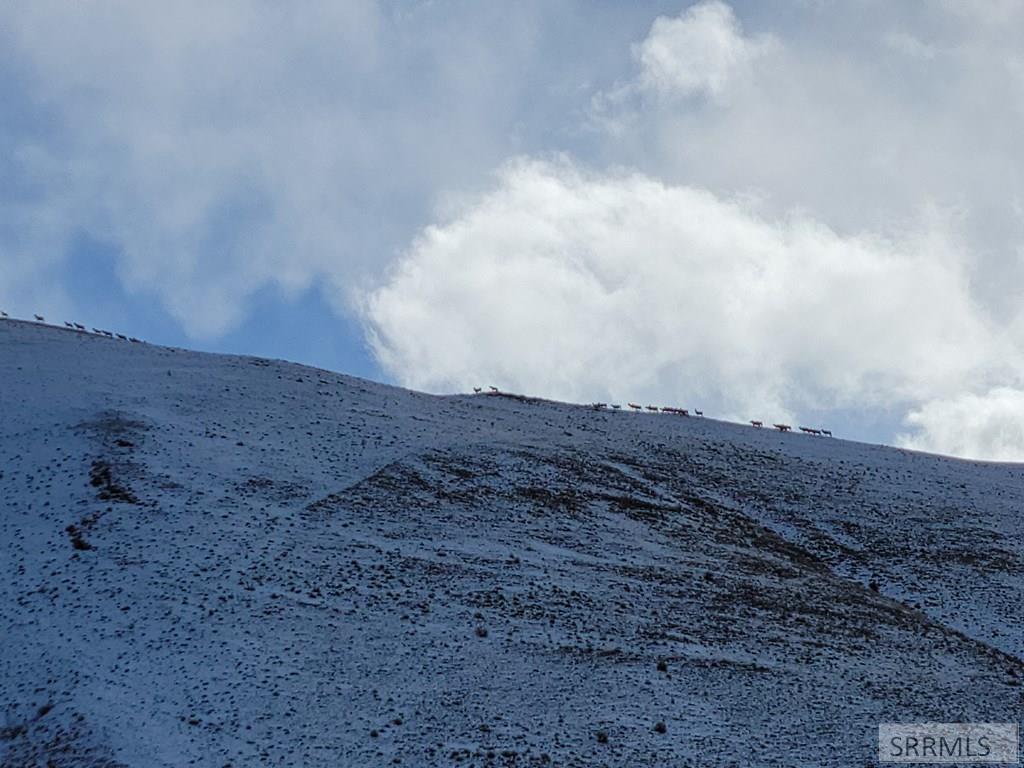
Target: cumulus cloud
(980,426)
(701,55)
(588,285)
(863,116)
(700,51)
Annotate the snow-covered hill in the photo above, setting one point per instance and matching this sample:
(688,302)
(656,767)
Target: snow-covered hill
(214,560)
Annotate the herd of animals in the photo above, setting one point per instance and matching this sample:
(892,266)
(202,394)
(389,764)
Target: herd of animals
(494,390)
(82,328)
(678,412)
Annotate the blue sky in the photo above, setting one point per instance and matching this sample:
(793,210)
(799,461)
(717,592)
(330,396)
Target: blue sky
(808,211)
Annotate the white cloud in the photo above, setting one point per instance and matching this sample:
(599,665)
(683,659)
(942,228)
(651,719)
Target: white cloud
(861,126)
(986,426)
(187,137)
(701,51)
(222,149)
(583,285)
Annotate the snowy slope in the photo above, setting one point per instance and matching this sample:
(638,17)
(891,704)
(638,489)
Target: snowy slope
(215,560)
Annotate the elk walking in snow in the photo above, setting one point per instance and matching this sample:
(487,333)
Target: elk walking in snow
(698,413)
(634,406)
(826,432)
(69,325)
(3,314)
(757,424)
(477,390)
(40,318)
(122,337)
(493,389)
(782,427)
(616,407)
(79,326)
